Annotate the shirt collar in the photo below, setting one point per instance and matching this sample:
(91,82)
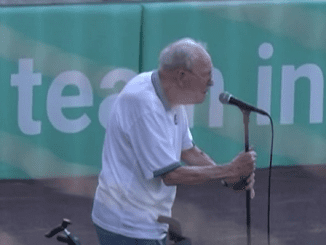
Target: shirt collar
(159,90)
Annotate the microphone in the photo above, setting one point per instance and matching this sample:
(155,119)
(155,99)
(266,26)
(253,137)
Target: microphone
(226,98)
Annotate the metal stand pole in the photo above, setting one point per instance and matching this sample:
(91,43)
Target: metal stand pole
(246,131)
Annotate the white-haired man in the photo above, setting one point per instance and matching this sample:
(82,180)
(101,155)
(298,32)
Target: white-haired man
(147,138)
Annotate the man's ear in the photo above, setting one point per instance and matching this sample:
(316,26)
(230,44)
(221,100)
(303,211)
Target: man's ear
(181,78)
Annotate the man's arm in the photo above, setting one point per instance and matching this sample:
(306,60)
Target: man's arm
(192,175)
(203,169)
(195,157)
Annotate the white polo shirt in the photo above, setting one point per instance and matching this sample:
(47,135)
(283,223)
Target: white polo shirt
(143,140)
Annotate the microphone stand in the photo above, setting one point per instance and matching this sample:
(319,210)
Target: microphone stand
(246,114)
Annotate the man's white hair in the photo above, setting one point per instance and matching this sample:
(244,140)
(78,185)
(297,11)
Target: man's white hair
(182,53)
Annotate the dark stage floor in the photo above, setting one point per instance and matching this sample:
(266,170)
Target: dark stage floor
(209,214)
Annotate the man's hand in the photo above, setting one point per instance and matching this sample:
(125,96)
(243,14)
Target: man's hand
(245,184)
(250,186)
(242,176)
(241,167)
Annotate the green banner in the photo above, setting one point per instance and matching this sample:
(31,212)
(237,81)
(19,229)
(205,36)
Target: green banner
(269,55)
(61,68)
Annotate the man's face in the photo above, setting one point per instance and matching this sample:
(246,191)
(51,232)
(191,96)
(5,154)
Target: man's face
(197,82)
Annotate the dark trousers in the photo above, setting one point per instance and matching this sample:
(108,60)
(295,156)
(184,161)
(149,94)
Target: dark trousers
(109,238)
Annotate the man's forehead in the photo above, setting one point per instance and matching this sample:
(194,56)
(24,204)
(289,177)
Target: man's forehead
(204,68)
(203,62)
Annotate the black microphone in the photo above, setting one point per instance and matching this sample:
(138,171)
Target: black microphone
(226,98)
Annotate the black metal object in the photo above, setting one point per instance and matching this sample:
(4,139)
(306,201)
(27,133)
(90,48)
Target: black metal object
(67,237)
(246,114)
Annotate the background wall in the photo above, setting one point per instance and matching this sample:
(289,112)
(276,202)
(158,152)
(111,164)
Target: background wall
(61,68)
(58,64)
(55,2)
(270,55)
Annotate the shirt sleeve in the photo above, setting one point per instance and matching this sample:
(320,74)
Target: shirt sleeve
(152,143)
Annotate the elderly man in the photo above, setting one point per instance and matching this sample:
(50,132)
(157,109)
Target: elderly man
(147,138)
